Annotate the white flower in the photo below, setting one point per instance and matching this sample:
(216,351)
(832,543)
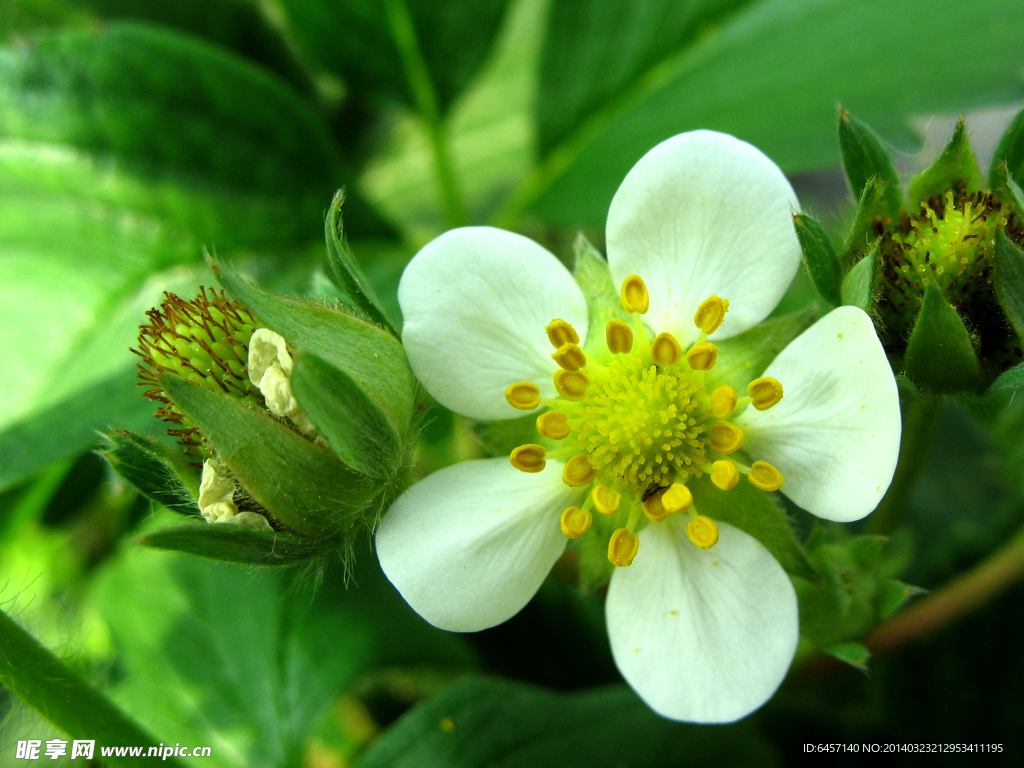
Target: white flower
(703,623)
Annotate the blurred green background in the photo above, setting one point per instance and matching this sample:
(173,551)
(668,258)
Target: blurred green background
(134,135)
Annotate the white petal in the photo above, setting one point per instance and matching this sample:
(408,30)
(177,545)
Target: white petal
(267,348)
(835,436)
(475,303)
(704,636)
(704,213)
(469,545)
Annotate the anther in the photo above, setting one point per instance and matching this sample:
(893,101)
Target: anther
(702,531)
(764,476)
(560,332)
(634,295)
(723,401)
(575,522)
(725,475)
(570,357)
(572,385)
(554,425)
(605,499)
(665,350)
(764,392)
(622,547)
(578,471)
(654,509)
(677,498)
(523,395)
(702,357)
(528,458)
(710,314)
(619,337)
(725,437)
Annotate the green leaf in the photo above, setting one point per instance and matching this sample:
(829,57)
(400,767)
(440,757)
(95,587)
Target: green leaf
(303,485)
(1009,281)
(858,287)
(854,654)
(865,158)
(819,257)
(487,722)
(345,272)
(354,425)
(940,356)
(39,679)
(603,300)
(233,544)
(955,167)
(163,474)
(769,72)
(1009,152)
(371,356)
(753,511)
(743,358)
(354,39)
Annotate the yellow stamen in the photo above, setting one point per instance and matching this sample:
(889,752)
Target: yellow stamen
(723,401)
(622,547)
(703,356)
(605,499)
(572,385)
(725,437)
(575,522)
(677,498)
(710,314)
(578,472)
(523,395)
(528,458)
(725,475)
(619,337)
(554,424)
(560,332)
(764,392)
(570,357)
(654,508)
(666,350)
(764,476)
(702,531)
(634,295)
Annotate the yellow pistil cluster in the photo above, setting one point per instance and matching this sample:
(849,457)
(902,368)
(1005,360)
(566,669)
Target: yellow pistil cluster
(637,430)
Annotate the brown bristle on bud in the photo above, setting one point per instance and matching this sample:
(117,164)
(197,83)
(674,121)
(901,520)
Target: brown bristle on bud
(204,341)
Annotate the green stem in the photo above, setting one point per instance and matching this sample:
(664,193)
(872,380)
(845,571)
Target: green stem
(919,422)
(418,77)
(39,679)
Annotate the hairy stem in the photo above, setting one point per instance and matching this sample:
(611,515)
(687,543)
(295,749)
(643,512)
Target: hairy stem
(59,694)
(418,77)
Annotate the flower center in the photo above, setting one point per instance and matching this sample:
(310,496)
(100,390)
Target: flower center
(636,431)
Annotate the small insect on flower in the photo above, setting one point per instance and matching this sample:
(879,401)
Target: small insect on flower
(632,416)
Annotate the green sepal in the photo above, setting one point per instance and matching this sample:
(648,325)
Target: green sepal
(371,356)
(940,356)
(858,288)
(744,357)
(354,425)
(866,224)
(892,594)
(854,654)
(498,438)
(233,544)
(1011,378)
(820,257)
(159,472)
(304,486)
(354,290)
(955,167)
(1008,191)
(755,512)
(1009,152)
(1008,280)
(603,300)
(865,158)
